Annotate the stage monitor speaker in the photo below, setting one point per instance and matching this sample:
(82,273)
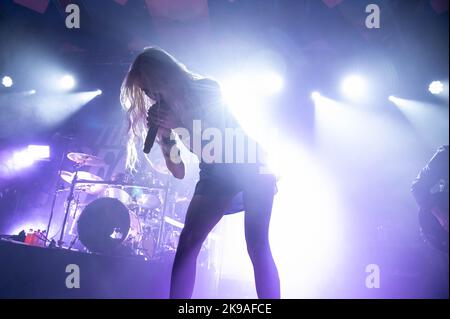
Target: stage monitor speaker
(35,272)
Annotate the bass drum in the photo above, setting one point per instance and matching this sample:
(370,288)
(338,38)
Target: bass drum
(105,224)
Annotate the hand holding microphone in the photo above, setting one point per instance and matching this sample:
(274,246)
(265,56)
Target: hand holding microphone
(159,117)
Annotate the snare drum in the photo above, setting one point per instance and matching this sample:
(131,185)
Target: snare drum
(118,193)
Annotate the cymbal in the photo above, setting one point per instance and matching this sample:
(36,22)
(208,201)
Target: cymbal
(87,187)
(67,176)
(85,159)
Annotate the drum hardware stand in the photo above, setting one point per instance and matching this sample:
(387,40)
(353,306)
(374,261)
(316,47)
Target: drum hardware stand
(69,201)
(74,240)
(58,190)
(163,215)
(55,195)
(77,203)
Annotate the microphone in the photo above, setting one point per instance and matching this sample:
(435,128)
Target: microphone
(151,136)
(150,139)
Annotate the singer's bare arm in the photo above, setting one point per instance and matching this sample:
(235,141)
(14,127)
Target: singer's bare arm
(171,152)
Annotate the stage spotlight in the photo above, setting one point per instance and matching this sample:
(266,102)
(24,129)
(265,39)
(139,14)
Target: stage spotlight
(354,87)
(38,152)
(98,92)
(25,158)
(20,160)
(436,87)
(7,81)
(67,82)
(315,95)
(392,98)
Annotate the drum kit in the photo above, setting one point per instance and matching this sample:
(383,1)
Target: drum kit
(120,215)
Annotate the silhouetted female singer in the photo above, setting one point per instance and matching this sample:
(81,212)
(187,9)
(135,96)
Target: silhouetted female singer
(158,90)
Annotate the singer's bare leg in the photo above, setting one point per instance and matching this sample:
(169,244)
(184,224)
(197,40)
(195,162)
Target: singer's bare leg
(203,214)
(258,208)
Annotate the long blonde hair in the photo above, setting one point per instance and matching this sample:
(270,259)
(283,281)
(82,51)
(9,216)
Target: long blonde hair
(152,62)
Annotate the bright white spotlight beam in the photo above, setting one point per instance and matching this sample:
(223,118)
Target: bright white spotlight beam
(315,95)
(53,109)
(392,98)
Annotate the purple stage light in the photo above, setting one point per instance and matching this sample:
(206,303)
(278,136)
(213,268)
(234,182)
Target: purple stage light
(21,159)
(24,158)
(39,152)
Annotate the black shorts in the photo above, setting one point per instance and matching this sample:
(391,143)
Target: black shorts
(234,180)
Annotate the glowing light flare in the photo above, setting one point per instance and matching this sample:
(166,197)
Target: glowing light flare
(270,83)
(20,160)
(246,95)
(354,87)
(7,81)
(67,82)
(299,214)
(25,158)
(315,95)
(436,87)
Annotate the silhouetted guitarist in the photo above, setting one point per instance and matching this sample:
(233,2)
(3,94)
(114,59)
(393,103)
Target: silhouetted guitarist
(431,191)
